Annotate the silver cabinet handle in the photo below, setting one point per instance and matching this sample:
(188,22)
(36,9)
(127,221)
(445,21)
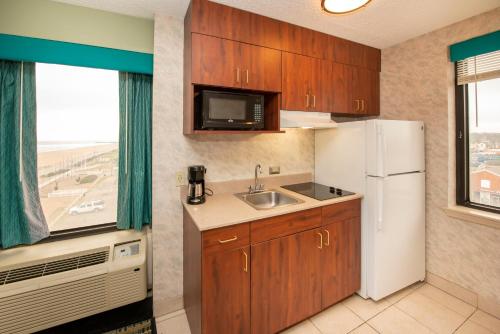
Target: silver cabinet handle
(247,76)
(307,100)
(238,75)
(314,101)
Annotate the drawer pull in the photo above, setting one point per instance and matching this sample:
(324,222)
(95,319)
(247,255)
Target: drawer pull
(245,268)
(228,240)
(327,243)
(320,240)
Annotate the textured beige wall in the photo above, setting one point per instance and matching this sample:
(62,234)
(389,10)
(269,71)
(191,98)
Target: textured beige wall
(62,22)
(417,83)
(226,158)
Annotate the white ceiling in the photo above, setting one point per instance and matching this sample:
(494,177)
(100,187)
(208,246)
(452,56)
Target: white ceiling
(381,24)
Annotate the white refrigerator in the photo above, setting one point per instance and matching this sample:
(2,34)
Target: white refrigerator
(383,160)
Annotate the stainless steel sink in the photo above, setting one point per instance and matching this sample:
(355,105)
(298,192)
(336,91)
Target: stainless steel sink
(268,199)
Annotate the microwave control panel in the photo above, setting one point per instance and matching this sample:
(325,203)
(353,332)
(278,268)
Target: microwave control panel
(257,108)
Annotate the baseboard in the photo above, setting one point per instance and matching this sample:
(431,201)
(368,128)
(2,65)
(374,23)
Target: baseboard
(167,306)
(170,315)
(468,296)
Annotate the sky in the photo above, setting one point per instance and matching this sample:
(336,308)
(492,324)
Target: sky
(76,104)
(488,99)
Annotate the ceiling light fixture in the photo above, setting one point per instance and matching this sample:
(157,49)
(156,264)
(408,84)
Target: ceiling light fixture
(343,6)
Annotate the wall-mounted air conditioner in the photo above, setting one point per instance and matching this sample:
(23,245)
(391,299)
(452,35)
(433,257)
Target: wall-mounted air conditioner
(49,284)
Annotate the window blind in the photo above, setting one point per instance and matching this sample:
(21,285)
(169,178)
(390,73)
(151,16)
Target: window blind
(478,68)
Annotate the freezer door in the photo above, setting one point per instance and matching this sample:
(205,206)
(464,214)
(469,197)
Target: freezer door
(396,233)
(394,147)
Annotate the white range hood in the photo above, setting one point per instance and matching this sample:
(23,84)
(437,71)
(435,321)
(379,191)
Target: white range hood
(306,120)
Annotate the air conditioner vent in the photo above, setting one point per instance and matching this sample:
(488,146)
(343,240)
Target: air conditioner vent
(54,267)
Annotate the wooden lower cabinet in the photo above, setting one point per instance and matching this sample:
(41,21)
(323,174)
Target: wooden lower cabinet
(341,260)
(286,281)
(264,276)
(226,292)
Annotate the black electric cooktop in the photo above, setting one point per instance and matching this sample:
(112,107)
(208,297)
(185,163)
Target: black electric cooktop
(317,191)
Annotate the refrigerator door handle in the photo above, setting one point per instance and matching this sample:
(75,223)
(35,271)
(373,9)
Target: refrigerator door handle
(380,201)
(382,148)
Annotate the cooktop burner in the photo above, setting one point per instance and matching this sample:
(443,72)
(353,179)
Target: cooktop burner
(317,191)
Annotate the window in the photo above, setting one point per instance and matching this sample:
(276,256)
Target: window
(478,132)
(77,130)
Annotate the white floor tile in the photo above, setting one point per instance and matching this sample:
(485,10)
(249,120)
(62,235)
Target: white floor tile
(472,328)
(487,321)
(337,319)
(447,300)
(394,321)
(364,329)
(175,325)
(430,313)
(397,296)
(305,327)
(365,308)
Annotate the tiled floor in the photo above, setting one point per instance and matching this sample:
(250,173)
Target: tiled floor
(420,308)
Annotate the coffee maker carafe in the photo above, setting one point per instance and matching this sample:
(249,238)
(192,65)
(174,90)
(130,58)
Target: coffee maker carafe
(196,186)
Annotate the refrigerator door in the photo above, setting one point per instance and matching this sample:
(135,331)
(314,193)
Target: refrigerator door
(396,233)
(394,147)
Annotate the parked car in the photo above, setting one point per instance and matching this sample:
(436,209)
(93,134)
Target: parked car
(93,206)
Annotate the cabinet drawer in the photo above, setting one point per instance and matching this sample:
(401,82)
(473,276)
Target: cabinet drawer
(225,238)
(275,227)
(341,211)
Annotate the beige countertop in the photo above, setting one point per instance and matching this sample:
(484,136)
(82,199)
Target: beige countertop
(224,209)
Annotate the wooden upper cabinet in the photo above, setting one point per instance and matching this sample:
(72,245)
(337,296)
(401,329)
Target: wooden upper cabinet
(263,31)
(218,20)
(261,68)
(224,63)
(303,41)
(286,281)
(364,91)
(210,18)
(316,96)
(296,76)
(341,85)
(226,292)
(215,61)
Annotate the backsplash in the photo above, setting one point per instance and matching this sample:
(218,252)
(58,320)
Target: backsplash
(226,157)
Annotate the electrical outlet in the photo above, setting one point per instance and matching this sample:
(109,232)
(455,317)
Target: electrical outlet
(179,179)
(274,170)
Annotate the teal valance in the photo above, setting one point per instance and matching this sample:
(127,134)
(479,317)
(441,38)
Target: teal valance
(475,46)
(19,48)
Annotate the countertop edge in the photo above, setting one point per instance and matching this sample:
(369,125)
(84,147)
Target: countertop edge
(309,203)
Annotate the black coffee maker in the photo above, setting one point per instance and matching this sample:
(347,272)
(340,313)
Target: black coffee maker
(196,185)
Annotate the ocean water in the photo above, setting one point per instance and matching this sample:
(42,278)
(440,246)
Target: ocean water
(60,146)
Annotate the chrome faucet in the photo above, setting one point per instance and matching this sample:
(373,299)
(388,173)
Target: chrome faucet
(257,187)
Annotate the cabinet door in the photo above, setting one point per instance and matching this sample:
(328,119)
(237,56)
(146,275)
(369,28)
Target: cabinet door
(365,91)
(286,281)
(372,105)
(263,31)
(296,77)
(341,82)
(215,61)
(359,89)
(226,292)
(315,88)
(210,18)
(341,260)
(261,68)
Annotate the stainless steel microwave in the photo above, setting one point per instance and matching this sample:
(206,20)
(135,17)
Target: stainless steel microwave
(220,110)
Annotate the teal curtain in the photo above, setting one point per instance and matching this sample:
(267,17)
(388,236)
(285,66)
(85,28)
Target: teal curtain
(21,216)
(475,46)
(134,170)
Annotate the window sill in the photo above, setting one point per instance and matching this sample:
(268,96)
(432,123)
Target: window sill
(474,216)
